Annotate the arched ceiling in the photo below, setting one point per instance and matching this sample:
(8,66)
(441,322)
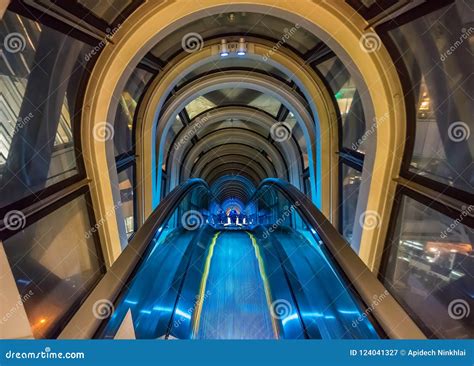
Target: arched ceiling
(232,187)
(294,114)
(235,107)
(314,31)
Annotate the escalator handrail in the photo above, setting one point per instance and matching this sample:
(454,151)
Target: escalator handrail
(83,325)
(393,319)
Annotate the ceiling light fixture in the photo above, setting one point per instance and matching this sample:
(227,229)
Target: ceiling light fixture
(224,49)
(242,50)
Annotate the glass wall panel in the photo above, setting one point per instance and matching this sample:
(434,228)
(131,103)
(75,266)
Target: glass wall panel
(125,114)
(267,104)
(40,73)
(233,63)
(199,105)
(55,262)
(348,100)
(437,52)
(297,133)
(171,144)
(233,96)
(279,31)
(351,180)
(106,10)
(430,269)
(126,186)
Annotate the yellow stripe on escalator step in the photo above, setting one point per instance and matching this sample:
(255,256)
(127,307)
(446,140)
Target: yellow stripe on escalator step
(202,288)
(265,281)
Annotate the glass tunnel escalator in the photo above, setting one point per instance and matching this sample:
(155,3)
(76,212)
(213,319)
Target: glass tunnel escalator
(280,272)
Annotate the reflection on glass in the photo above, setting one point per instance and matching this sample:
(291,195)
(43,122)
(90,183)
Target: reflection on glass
(298,135)
(430,269)
(125,114)
(106,10)
(55,261)
(232,63)
(348,100)
(199,105)
(307,186)
(351,180)
(439,63)
(175,129)
(233,96)
(266,103)
(294,35)
(40,73)
(126,196)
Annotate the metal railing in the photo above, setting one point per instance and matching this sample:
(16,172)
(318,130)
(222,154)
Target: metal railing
(83,325)
(391,317)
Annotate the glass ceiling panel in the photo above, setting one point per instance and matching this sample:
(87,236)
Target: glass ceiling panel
(233,96)
(106,10)
(198,105)
(241,24)
(233,63)
(267,104)
(348,100)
